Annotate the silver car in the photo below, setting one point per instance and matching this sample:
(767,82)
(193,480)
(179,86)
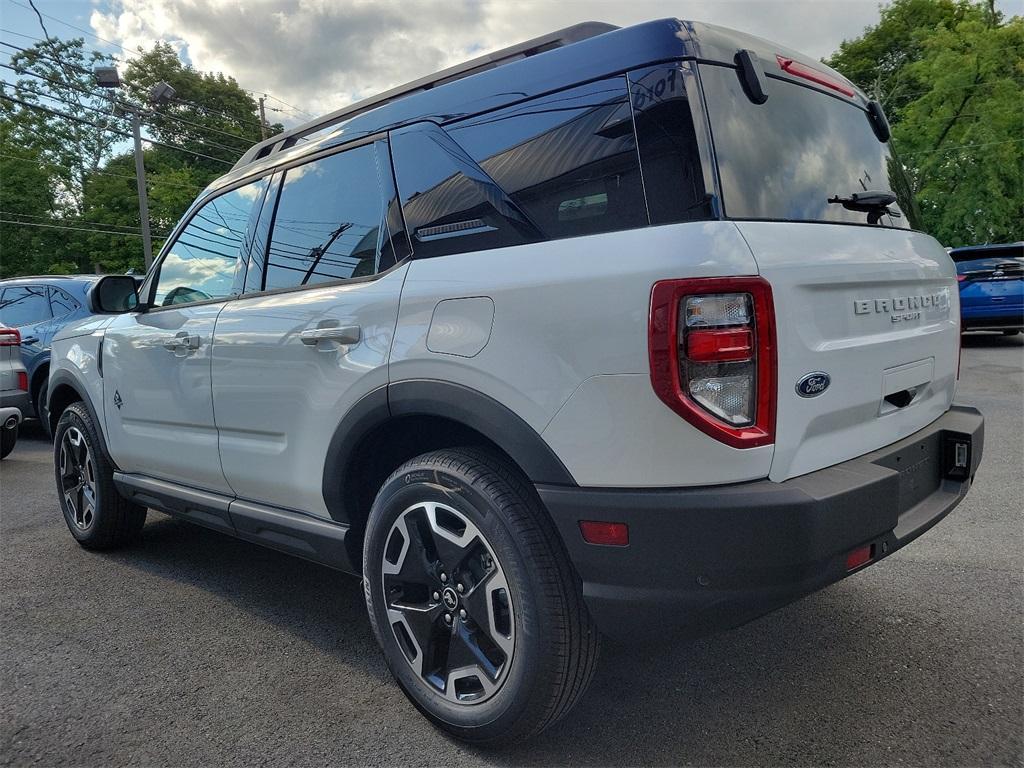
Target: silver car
(14,397)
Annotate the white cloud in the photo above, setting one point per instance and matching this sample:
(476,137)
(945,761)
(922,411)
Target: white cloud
(322,54)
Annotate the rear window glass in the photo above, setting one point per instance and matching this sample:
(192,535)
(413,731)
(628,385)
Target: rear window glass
(784,159)
(1012,251)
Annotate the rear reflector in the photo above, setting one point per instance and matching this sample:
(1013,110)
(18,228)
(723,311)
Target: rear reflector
(797,69)
(608,534)
(10,337)
(23,381)
(860,556)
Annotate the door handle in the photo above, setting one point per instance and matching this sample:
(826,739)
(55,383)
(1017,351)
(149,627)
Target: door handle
(30,340)
(181,342)
(349,334)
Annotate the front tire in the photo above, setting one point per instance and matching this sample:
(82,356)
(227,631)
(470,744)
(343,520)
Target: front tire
(472,597)
(96,514)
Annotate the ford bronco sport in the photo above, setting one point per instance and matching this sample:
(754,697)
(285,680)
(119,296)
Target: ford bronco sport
(622,331)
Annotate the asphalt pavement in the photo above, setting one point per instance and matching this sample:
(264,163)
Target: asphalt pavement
(192,648)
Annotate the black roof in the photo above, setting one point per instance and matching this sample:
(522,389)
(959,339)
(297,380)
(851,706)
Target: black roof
(575,55)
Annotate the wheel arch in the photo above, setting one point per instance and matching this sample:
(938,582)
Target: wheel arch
(394,423)
(65,390)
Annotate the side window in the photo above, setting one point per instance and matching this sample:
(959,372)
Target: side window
(450,203)
(24,305)
(568,160)
(329,223)
(62,303)
(674,172)
(203,261)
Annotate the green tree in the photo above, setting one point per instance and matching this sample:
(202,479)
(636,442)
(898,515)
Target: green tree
(57,78)
(26,195)
(210,114)
(951,75)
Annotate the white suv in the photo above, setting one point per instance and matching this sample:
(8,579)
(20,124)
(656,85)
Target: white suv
(619,330)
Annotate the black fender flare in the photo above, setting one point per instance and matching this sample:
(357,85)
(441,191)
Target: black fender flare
(63,378)
(454,402)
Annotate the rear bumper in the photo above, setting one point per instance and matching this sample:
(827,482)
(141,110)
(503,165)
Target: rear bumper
(703,559)
(16,398)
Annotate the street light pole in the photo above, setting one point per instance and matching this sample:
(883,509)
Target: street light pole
(140,181)
(108,77)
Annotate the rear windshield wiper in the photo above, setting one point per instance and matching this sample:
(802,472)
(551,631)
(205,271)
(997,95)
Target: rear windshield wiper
(875,204)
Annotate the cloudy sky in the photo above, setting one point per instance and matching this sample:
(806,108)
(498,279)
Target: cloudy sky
(317,55)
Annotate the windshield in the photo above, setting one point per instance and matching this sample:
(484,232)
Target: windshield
(785,159)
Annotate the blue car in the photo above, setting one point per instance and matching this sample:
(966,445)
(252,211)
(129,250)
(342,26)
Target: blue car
(991,281)
(38,307)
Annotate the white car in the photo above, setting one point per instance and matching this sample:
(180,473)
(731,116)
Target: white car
(622,331)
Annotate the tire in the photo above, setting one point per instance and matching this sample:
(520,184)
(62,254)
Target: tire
(42,412)
(531,643)
(96,514)
(8,438)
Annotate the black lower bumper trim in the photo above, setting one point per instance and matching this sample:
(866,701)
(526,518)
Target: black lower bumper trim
(702,559)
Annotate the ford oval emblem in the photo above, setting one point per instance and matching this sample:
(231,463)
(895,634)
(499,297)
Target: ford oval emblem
(813,384)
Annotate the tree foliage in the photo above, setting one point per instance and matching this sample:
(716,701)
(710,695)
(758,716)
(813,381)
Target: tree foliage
(951,76)
(76,174)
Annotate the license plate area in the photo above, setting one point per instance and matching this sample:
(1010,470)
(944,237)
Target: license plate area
(920,468)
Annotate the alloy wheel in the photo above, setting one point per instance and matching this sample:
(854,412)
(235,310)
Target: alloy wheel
(448,602)
(78,478)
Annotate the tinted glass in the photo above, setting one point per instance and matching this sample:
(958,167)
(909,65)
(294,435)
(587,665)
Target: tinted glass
(62,302)
(329,221)
(203,263)
(450,204)
(669,150)
(24,305)
(568,160)
(785,158)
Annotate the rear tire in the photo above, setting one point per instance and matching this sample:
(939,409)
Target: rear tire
(460,554)
(96,514)
(8,438)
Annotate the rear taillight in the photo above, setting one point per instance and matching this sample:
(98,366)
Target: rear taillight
(23,381)
(10,337)
(961,278)
(712,352)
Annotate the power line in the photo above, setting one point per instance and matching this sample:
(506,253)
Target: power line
(292,106)
(98,95)
(205,140)
(134,53)
(953,147)
(75,119)
(75,229)
(52,219)
(72,26)
(151,181)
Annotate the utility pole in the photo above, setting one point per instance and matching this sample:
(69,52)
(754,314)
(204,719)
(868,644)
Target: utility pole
(263,119)
(140,181)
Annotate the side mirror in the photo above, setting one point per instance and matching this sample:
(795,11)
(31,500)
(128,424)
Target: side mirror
(113,295)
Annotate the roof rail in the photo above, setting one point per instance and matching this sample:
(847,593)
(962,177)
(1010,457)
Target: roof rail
(537,45)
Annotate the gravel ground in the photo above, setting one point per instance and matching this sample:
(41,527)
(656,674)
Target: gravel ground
(195,649)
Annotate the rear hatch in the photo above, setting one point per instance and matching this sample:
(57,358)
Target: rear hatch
(858,295)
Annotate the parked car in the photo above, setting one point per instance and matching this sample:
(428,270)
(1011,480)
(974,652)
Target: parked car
(38,307)
(528,351)
(991,281)
(13,389)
